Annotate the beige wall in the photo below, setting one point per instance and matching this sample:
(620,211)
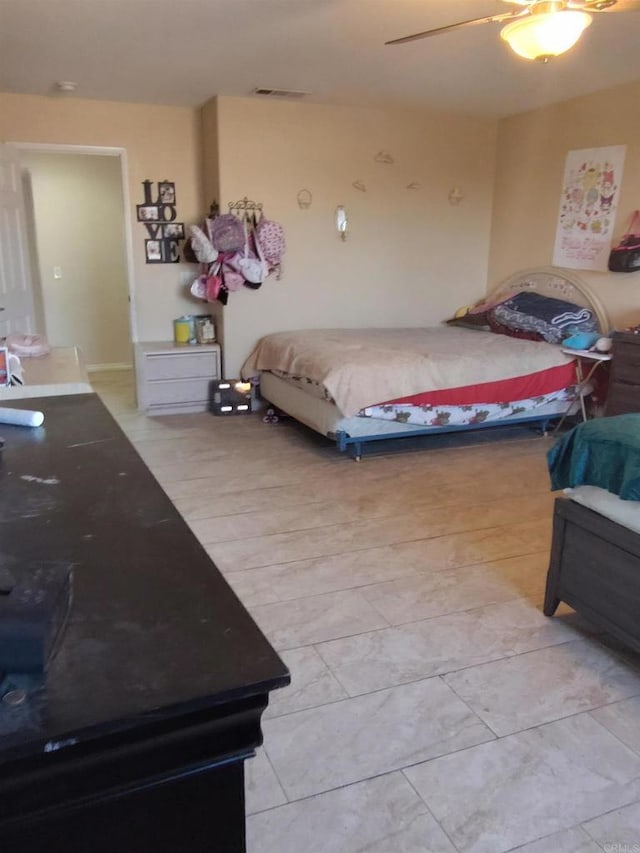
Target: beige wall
(79,225)
(161,143)
(410,259)
(530,163)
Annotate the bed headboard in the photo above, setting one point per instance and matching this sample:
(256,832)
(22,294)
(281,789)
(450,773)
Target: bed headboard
(557,282)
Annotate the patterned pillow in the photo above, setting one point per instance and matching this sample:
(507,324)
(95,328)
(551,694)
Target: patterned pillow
(554,319)
(500,329)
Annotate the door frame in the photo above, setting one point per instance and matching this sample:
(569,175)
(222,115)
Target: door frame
(104,151)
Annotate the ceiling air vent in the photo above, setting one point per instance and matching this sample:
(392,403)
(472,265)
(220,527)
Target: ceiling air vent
(279,93)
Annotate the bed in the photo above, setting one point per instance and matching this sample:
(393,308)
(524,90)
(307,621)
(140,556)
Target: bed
(595,552)
(361,385)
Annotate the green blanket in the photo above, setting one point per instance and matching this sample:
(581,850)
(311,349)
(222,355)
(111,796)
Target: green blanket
(603,452)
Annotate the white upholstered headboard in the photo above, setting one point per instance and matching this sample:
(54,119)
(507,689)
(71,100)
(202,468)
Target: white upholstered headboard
(557,282)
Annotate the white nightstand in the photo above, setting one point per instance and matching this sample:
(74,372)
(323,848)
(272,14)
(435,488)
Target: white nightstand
(173,378)
(587,362)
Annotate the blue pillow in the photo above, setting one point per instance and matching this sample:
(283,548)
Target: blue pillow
(583,340)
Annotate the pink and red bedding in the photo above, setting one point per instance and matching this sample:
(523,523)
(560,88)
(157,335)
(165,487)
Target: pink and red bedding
(434,415)
(482,403)
(531,386)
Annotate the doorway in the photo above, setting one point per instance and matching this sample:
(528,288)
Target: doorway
(77,234)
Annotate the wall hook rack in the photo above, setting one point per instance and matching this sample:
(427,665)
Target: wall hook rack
(245,204)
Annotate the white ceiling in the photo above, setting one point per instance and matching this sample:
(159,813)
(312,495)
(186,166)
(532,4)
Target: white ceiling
(168,52)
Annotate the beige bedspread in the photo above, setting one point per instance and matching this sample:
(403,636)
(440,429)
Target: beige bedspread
(362,367)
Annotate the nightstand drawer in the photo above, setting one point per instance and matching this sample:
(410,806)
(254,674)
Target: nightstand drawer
(178,391)
(626,362)
(181,366)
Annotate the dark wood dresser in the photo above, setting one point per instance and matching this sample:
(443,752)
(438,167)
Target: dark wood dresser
(135,740)
(624,385)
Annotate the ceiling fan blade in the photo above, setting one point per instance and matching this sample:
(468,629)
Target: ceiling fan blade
(490,19)
(605,5)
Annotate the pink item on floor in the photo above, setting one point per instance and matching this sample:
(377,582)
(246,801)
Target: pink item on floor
(28,346)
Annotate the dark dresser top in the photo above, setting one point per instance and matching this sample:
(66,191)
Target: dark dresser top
(155,631)
(626,336)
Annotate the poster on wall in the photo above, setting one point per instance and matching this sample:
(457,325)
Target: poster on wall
(590,193)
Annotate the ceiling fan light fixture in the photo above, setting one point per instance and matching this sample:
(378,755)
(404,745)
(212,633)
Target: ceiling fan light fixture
(544,35)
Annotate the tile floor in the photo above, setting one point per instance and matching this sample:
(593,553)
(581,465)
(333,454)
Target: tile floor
(433,708)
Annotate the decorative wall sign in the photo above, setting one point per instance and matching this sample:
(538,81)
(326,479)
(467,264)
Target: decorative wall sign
(590,193)
(158,216)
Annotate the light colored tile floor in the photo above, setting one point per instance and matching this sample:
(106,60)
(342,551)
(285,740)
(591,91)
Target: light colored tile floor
(433,709)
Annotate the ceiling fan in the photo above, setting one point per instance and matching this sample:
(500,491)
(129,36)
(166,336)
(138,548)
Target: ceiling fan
(539,29)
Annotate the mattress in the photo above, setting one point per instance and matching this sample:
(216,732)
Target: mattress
(363,367)
(521,389)
(435,414)
(474,404)
(626,513)
(324,417)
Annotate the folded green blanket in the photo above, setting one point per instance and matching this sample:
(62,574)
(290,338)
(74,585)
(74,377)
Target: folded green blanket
(603,452)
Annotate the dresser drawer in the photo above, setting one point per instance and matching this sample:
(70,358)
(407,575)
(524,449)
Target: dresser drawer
(623,398)
(181,365)
(178,391)
(626,362)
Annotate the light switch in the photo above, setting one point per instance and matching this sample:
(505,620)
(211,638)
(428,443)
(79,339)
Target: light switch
(57,272)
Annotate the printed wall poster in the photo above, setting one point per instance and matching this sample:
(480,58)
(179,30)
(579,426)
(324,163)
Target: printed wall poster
(590,193)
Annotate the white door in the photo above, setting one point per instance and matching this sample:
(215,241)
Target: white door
(16,295)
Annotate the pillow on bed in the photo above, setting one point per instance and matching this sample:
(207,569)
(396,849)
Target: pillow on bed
(475,316)
(485,304)
(465,319)
(554,319)
(500,329)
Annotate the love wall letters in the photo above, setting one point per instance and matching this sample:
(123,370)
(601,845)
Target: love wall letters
(158,216)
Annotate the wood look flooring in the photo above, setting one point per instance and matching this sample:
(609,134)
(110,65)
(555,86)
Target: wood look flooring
(433,708)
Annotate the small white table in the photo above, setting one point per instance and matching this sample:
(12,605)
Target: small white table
(591,361)
(61,371)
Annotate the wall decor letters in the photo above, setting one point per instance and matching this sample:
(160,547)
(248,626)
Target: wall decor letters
(158,215)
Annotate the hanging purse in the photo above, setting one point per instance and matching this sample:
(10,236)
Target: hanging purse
(213,283)
(233,280)
(201,245)
(254,270)
(625,257)
(225,232)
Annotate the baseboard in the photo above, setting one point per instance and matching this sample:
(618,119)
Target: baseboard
(118,365)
